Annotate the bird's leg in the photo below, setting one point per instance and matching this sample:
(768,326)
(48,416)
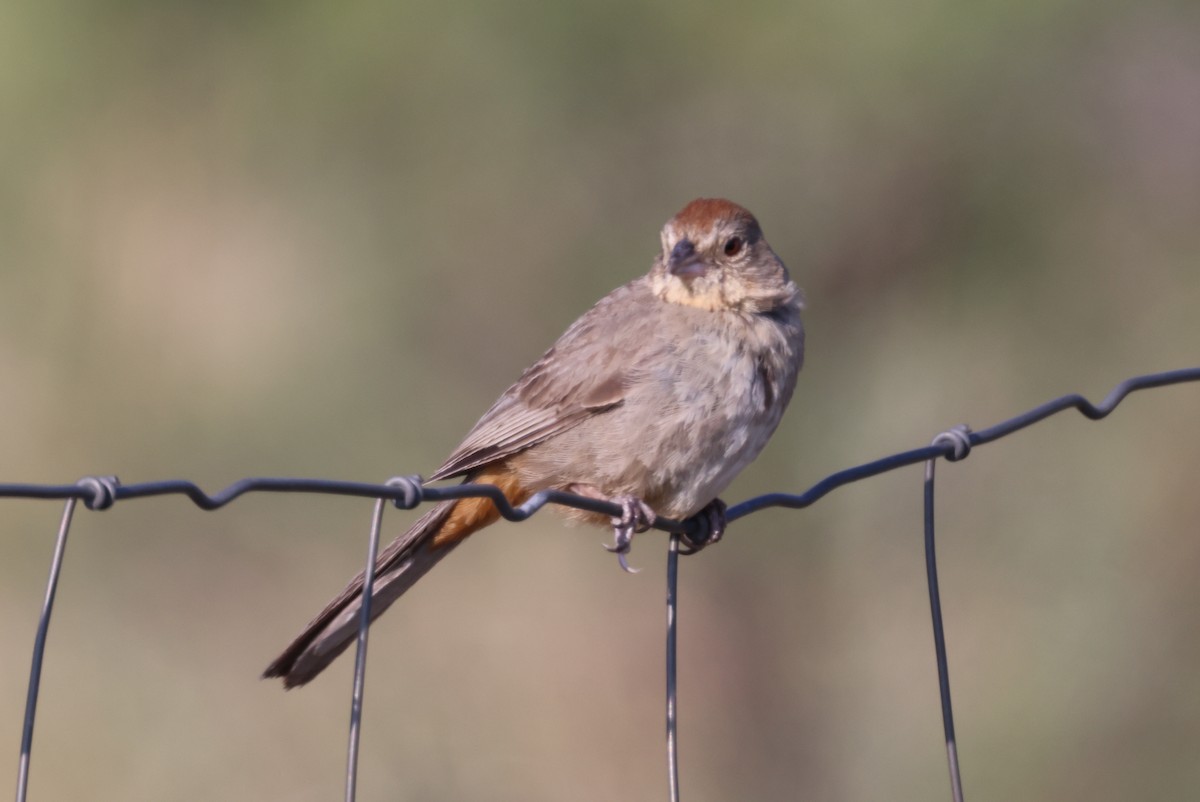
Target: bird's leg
(712,516)
(636,517)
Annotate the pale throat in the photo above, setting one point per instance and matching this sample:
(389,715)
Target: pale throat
(713,297)
(673,290)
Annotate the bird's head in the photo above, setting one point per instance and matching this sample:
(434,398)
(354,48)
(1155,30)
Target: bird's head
(714,257)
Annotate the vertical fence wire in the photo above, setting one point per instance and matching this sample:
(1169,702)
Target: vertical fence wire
(39,649)
(672,724)
(959,437)
(360,654)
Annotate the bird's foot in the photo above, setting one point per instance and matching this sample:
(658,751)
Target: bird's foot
(636,517)
(712,520)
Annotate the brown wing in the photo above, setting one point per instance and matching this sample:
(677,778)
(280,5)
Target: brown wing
(583,374)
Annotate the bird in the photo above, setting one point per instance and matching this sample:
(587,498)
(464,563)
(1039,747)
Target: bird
(654,399)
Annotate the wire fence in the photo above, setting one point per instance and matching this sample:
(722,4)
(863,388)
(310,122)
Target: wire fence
(102,492)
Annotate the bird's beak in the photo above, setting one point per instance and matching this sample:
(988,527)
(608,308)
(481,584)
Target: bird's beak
(684,261)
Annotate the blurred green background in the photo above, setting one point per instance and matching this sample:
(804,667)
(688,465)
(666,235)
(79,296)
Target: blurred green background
(318,239)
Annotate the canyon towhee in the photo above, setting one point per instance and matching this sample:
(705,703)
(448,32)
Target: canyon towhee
(654,399)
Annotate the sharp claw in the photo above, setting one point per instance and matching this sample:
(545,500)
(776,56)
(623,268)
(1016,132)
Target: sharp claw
(636,516)
(621,547)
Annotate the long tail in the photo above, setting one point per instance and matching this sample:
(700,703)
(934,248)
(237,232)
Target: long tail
(402,563)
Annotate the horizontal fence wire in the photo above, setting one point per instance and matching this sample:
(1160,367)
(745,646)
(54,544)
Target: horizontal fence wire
(102,492)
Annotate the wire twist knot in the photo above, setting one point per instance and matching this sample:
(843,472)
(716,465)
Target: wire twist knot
(103,491)
(413,490)
(959,437)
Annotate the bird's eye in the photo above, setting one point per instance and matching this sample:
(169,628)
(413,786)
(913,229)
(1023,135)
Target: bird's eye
(733,246)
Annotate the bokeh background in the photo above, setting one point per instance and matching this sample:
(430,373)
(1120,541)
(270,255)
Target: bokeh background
(318,239)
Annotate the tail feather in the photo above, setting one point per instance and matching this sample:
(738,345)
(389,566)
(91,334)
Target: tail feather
(401,564)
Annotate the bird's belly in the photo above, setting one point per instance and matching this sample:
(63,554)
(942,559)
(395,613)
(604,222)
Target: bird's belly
(676,441)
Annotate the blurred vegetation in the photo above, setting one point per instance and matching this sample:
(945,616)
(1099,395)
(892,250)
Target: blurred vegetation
(315,239)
